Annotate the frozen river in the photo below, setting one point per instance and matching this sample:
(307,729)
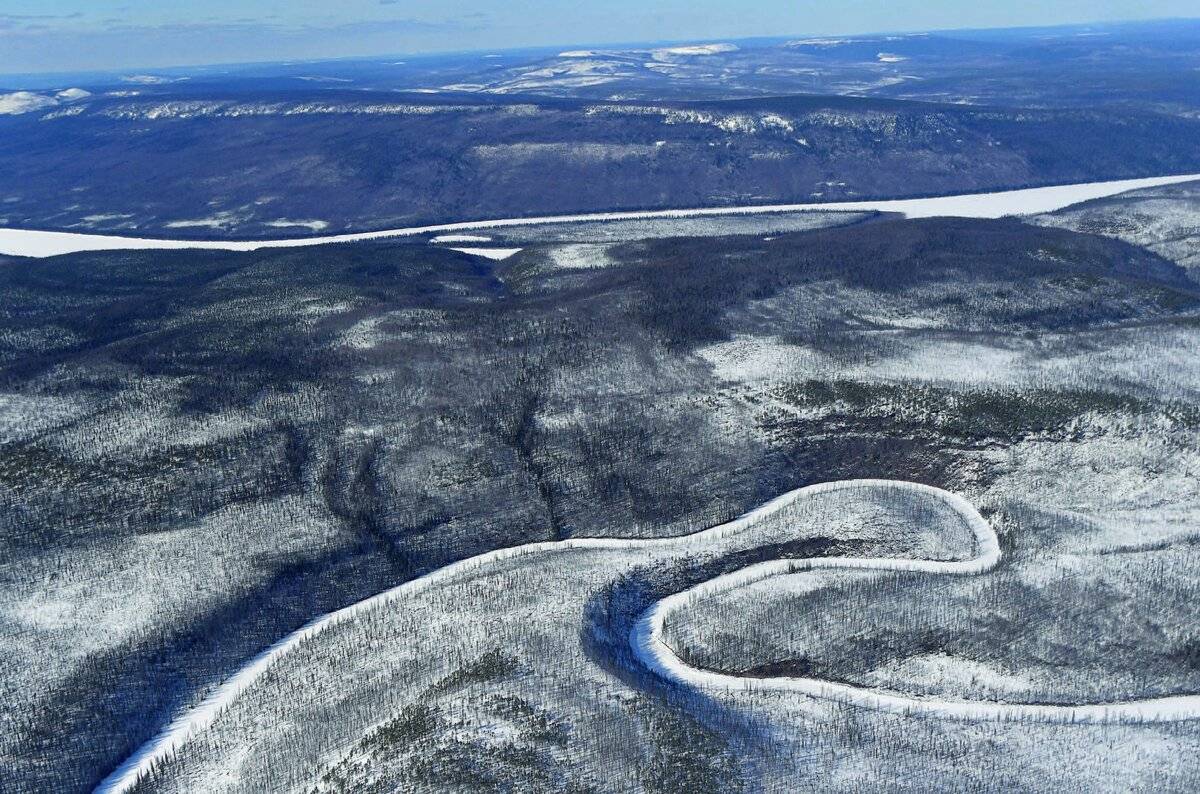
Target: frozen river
(25,242)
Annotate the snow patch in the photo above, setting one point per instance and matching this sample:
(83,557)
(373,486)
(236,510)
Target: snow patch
(586,256)
(746,359)
(104,218)
(285,223)
(62,113)
(496,254)
(942,672)
(218,221)
(147,79)
(22,416)
(820,42)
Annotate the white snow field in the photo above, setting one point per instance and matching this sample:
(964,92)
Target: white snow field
(32,243)
(495,254)
(532,598)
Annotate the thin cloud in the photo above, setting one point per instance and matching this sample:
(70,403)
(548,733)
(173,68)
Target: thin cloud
(35,23)
(120,44)
(24,17)
(267,25)
(262,26)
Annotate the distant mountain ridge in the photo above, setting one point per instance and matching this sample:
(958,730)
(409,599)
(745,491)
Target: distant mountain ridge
(295,163)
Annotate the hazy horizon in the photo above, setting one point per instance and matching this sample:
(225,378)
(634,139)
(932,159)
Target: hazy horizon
(72,36)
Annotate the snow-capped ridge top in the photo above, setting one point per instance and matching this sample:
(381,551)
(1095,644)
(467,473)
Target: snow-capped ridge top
(695,50)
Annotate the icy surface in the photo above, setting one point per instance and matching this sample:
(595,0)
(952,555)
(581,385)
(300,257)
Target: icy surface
(497,254)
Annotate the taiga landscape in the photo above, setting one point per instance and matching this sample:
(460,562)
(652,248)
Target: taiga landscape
(760,413)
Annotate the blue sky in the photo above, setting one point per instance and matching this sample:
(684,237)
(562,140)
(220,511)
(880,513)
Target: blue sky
(75,35)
